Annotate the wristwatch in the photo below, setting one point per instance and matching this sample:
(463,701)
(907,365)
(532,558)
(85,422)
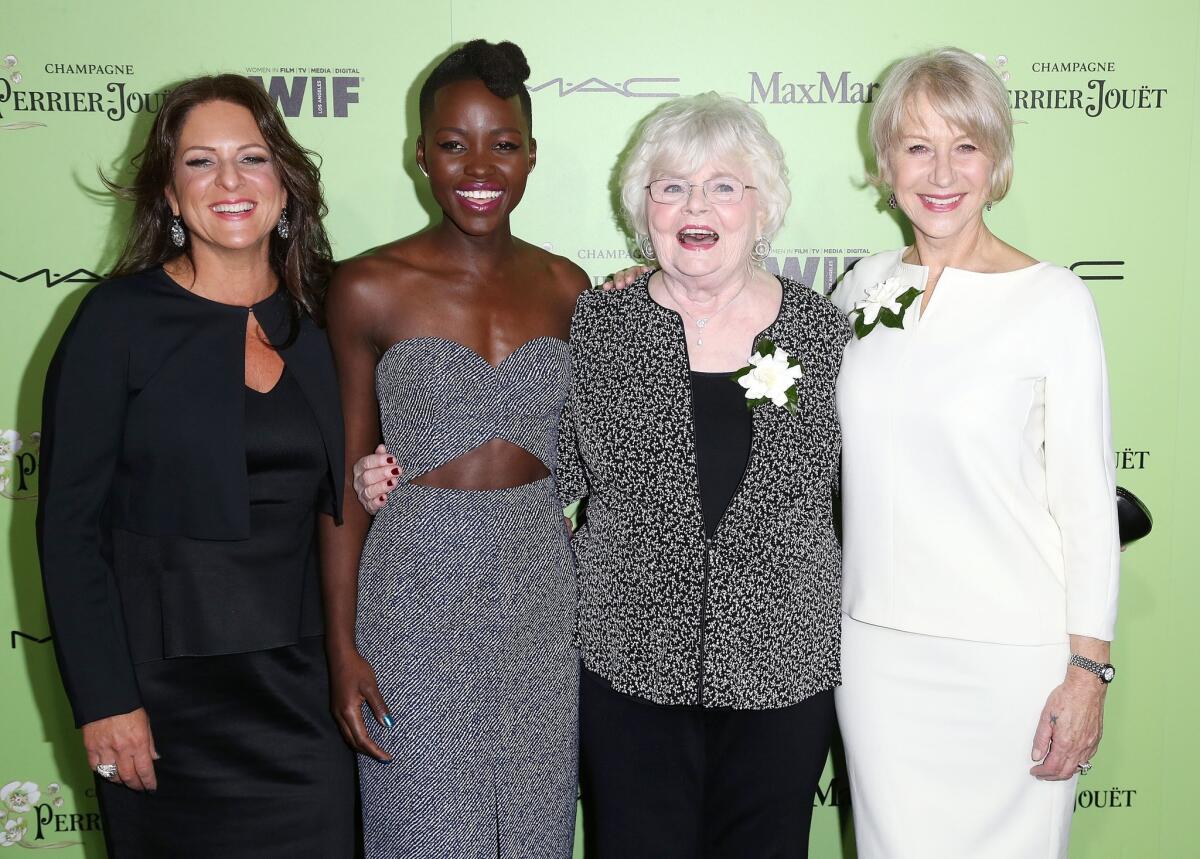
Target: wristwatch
(1103,670)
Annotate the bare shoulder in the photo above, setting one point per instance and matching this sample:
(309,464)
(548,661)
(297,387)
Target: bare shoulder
(564,277)
(380,275)
(572,277)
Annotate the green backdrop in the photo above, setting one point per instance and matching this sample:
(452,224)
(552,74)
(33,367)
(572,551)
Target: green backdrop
(1107,182)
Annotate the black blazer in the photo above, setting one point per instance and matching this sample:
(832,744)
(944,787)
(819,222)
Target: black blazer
(142,431)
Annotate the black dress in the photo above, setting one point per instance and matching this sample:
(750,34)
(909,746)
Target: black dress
(175,527)
(251,763)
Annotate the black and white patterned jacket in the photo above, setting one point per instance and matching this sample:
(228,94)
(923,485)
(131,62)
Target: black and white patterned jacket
(751,618)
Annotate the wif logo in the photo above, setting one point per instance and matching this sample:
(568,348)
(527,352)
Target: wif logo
(320,92)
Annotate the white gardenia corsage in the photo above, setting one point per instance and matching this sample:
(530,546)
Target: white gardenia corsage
(885,302)
(771,375)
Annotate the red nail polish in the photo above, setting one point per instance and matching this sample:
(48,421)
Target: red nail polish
(396,471)
(390,484)
(391,461)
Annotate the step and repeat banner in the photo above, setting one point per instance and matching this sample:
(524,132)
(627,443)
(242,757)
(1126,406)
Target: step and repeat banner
(1107,183)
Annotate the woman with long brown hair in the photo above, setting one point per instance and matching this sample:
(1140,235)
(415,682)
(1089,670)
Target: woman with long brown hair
(192,435)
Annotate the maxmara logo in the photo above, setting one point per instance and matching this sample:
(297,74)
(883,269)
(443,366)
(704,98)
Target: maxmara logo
(320,91)
(824,88)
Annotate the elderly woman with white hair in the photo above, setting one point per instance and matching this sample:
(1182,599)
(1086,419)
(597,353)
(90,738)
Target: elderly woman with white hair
(701,435)
(980,533)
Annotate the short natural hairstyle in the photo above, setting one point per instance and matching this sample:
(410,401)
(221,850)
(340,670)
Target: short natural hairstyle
(502,67)
(302,262)
(685,133)
(964,91)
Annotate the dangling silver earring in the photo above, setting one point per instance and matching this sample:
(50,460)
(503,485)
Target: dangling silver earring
(421,167)
(178,236)
(761,249)
(646,247)
(988,205)
(283,227)
(892,201)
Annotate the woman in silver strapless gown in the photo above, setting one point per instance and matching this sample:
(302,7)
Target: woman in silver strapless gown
(467,613)
(452,665)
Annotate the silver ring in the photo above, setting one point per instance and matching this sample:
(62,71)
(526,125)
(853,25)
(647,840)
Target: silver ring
(106,771)
(1085,767)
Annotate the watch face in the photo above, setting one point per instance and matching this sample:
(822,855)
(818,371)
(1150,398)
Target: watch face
(1108,674)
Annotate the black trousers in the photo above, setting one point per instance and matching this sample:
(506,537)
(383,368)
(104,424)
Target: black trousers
(694,783)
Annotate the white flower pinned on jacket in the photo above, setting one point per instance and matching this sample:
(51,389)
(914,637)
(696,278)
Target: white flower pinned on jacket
(770,376)
(885,302)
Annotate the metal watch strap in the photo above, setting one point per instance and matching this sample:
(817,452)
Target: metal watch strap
(1102,670)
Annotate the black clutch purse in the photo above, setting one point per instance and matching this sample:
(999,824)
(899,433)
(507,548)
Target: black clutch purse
(1133,517)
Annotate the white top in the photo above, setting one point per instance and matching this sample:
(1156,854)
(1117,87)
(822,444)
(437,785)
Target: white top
(978,484)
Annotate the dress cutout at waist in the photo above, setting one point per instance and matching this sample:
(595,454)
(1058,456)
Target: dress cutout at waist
(439,399)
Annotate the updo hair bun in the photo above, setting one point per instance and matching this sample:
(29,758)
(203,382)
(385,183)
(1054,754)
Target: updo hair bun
(502,67)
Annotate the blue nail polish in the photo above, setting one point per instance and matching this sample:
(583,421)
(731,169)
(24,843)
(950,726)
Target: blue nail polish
(387,720)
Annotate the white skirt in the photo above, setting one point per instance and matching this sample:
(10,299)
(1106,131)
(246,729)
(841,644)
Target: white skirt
(938,733)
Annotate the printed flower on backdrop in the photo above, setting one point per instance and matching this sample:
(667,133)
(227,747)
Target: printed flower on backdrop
(10,65)
(10,443)
(885,302)
(770,377)
(8,69)
(14,832)
(19,797)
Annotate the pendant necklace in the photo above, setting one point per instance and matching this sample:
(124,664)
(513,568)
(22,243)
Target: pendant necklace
(702,321)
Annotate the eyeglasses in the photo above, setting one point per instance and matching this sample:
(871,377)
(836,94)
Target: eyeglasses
(722,191)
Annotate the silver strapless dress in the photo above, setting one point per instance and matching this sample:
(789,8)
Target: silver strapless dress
(466,611)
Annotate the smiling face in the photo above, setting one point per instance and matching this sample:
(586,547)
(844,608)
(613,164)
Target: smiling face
(941,178)
(697,238)
(225,184)
(477,151)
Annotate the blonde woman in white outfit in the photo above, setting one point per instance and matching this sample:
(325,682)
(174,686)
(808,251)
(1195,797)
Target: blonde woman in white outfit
(978,490)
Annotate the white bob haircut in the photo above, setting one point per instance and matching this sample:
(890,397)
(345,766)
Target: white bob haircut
(683,134)
(964,91)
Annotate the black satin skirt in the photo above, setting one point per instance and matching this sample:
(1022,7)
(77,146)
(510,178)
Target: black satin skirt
(252,764)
